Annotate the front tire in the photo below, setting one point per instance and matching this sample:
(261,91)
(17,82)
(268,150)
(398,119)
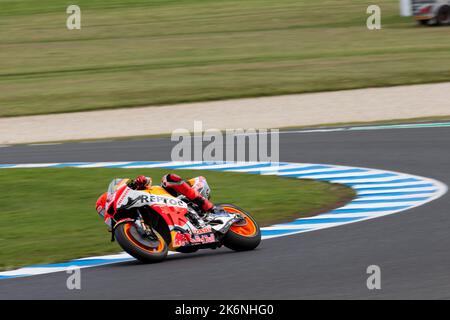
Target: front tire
(142,249)
(241,237)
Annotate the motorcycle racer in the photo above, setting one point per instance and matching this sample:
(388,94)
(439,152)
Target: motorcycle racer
(149,221)
(196,190)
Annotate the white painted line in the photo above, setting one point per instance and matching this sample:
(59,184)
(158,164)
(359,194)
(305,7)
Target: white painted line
(312,171)
(395,197)
(32,271)
(336,176)
(96,141)
(359,214)
(355,205)
(287,226)
(228,165)
(344,181)
(274,169)
(103,164)
(373,127)
(366,192)
(387,185)
(122,255)
(44,144)
(161,165)
(34,165)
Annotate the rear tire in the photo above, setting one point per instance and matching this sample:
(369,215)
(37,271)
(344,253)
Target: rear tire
(242,238)
(136,246)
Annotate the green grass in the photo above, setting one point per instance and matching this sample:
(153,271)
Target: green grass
(48,215)
(149,52)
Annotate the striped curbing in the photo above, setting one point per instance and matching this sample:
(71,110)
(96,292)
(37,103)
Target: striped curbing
(379,193)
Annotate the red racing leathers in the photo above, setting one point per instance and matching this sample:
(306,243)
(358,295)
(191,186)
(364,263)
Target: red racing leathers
(176,185)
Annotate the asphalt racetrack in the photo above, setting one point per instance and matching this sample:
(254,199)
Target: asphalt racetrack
(411,248)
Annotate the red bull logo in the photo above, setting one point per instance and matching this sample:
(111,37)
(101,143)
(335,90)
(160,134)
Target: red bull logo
(182,239)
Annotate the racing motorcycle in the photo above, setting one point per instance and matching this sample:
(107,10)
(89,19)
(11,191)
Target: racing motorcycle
(149,223)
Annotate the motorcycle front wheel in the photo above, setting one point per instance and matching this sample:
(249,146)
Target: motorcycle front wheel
(143,249)
(241,236)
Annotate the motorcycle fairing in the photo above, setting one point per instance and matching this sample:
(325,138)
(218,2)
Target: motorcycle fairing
(172,210)
(137,199)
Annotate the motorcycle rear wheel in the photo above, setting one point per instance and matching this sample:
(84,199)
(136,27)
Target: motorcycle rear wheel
(139,247)
(241,237)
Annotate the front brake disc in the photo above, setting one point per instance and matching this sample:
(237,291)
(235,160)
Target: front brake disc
(143,238)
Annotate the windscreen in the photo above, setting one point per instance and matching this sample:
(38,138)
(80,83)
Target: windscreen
(114,184)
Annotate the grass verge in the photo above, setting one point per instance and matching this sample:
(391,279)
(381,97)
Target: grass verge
(48,215)
(149,52)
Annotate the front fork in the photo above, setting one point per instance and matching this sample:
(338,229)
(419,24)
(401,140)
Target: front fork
(144,229)
(147,230)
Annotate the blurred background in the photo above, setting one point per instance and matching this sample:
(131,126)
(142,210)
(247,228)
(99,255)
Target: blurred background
(149,52)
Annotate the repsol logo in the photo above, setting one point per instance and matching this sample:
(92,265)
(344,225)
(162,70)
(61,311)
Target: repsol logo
(149,199)
(165,200)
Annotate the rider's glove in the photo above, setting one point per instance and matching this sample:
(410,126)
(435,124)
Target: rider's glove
(140,183)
